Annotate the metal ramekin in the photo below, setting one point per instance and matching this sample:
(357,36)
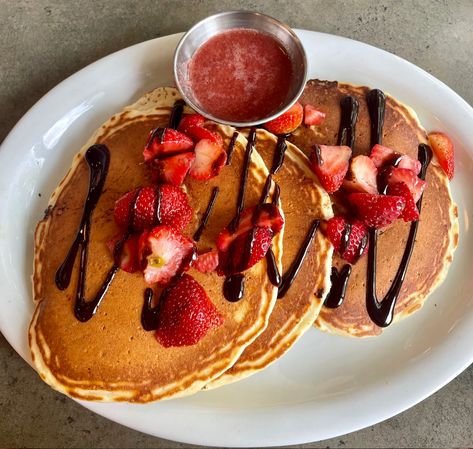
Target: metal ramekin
(217,23)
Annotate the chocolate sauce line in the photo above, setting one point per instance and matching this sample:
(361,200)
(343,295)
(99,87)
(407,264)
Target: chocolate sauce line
(176,114)
(376,105)
(279,153)
(234,287)
(290,275)
(231,148)
(345,239)
(205,217)
(349,116)
(276,195)
(157,133)
(272,267)
(339,286)
(382,312)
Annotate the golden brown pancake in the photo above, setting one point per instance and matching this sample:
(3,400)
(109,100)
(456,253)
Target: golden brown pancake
(304,201)
(437,235)
(110,357)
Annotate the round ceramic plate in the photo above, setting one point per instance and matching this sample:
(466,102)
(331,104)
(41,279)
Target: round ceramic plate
(325,386)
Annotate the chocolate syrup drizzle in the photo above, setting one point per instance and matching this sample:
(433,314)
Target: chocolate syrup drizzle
(231,147)
(279,153)
(339,286)
(176,114)
(350,107)
(205,217)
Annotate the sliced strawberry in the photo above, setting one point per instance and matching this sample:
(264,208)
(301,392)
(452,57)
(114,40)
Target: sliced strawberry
(174,209)
(383,156)
(313,116)
(163,142)
(126,253)
(394,175)
(164,254)
(362,176)
(288,121)
(355,233)
(267,216)
(198,133)
(186,314)
(206,262)
(377,211)
(330,164)
(210,158)
(410,212)
(442,147)
(190,120)
(172,170)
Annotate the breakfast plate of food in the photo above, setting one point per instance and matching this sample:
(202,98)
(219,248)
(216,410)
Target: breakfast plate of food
(241,236)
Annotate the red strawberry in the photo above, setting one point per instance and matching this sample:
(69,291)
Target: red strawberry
(190,120)
(442,147)
(287,122)
(382,156)
(362,176)
(268,216)
(377,211)
(127,258)
(210,158)
(174,209)
(410,212)
(172,170)
(198,133)
(330,164)
(164,142)
(313,116)
(164,253)
(394,175)
(356,233)
(206,262)
(186,314)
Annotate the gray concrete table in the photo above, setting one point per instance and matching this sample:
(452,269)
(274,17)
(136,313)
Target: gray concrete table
(42,42)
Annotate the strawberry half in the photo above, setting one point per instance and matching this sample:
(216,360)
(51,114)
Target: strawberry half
(127,259)
(312,116)
(186,314)
(174,209)
(356,234)
(410,212)
(442,147)
(210,158)
(172,170)
(377,211)
(362,176)
(206,262)
(190,120)
(382,156)
(394,175)
(288,121)
(164,254)
(330,164)
(163,142)
(198,133)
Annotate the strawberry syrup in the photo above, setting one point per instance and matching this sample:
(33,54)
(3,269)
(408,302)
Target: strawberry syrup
(240,75)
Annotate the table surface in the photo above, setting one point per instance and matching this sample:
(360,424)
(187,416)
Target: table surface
(42,42)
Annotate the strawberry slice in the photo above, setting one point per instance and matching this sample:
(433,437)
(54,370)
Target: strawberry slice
(190,120)
(410,212)
(174,209)
(394,175)
(362,176)
(127,259)
(267,216)
(210,158)
(442,147)
(164,254)
(377,211)
(198,133)
(172,170)
(330,164)
(382,156)
(206,262)
(186,314)
(354,232)
(288,121)
(312,116)
(164,142)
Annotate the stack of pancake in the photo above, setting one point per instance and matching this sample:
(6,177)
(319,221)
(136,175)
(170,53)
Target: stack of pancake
(112,358)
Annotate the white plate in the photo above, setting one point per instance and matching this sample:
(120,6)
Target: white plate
(325,386)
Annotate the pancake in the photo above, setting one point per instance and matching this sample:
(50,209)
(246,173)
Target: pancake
(304,201)
(437,235)
(110,357)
